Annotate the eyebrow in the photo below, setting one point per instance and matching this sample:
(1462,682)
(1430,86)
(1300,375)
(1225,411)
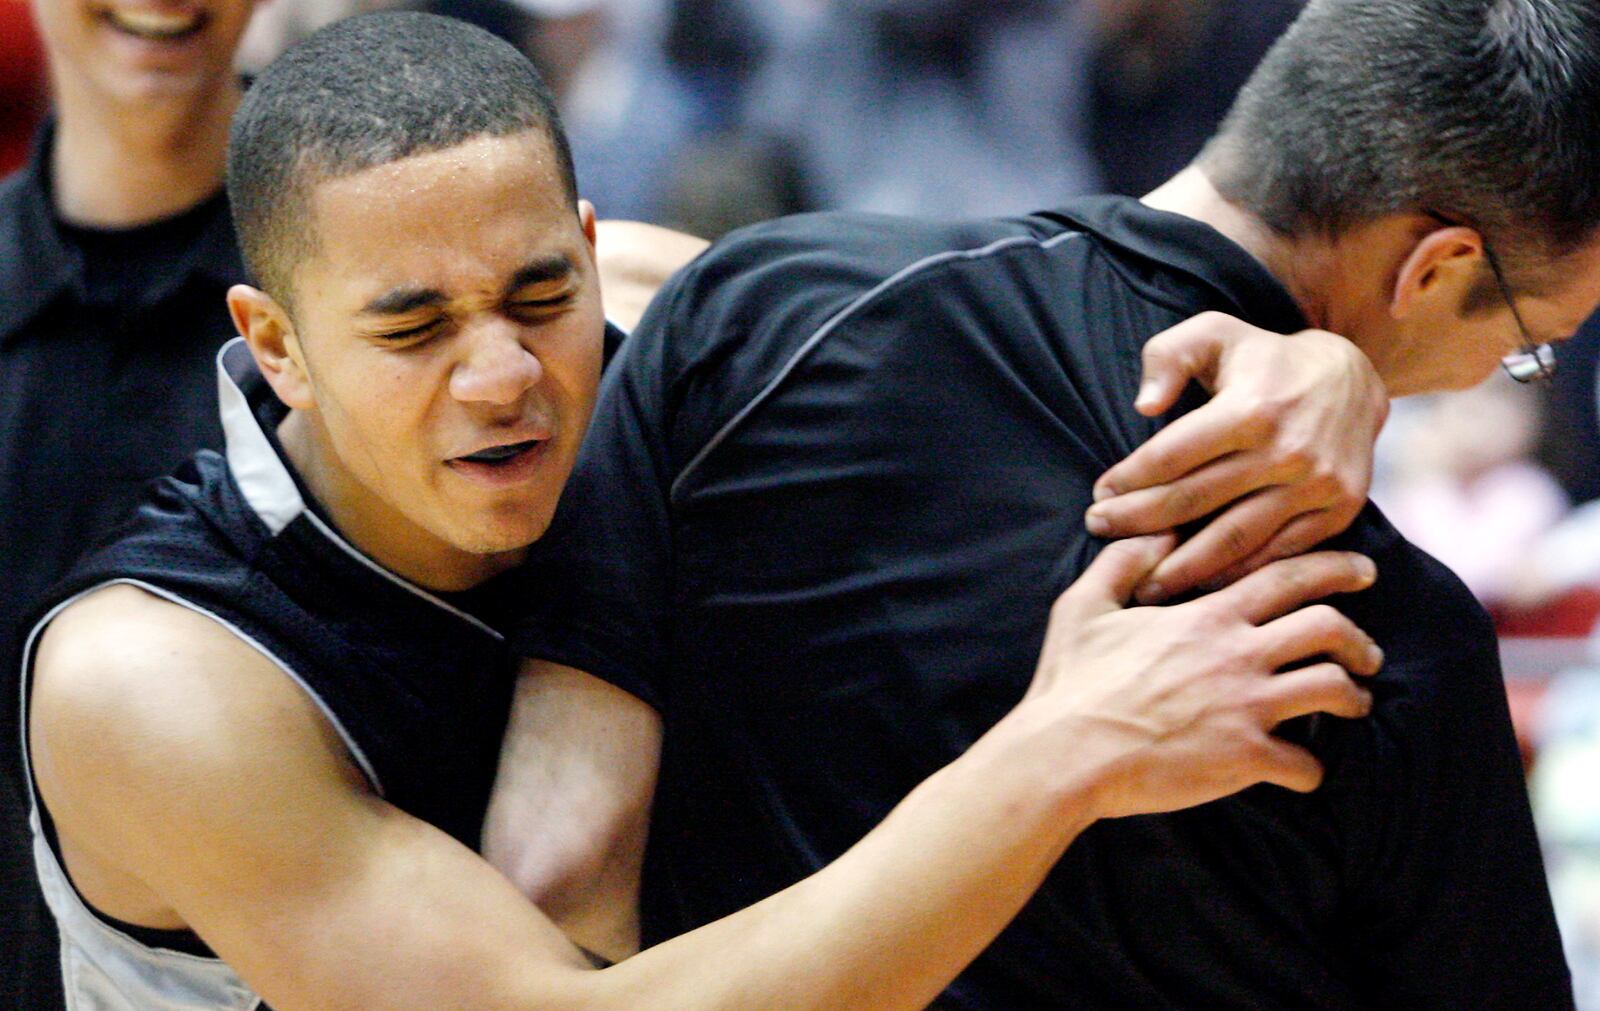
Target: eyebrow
(398,301)
(542,271)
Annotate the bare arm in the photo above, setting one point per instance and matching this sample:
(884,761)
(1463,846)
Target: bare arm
(1282,454)
(635,260)
(171,752)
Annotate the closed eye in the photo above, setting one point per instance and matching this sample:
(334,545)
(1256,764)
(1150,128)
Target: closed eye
(538,306)
(410,333)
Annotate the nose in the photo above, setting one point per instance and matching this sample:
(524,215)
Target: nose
(497,368)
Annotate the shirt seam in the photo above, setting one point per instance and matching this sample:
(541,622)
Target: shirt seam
(833,323)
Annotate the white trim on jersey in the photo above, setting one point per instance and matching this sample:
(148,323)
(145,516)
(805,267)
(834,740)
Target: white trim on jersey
(350,744)
(261,476)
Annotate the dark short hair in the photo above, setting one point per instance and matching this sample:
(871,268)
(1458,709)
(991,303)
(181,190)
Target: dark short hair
(1486,112)
(363,92)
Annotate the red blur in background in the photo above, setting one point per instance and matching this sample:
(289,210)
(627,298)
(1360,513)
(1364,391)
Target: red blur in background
(22,83)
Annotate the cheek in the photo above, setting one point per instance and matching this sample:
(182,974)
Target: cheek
(575,370)
(379,423)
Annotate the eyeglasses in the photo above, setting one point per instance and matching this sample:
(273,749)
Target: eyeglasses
(1536,361)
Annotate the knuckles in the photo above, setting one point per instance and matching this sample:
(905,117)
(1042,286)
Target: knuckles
(1324,484)
(1297,461)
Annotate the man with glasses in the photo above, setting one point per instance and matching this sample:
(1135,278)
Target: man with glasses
(845,461)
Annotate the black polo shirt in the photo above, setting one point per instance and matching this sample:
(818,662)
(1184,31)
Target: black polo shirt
(108,342)
(833,484)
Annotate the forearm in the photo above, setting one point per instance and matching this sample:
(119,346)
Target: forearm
(894,920)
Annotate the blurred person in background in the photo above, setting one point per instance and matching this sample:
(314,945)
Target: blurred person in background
(629,117)
(1567,808)
(947,107)
(1562,559)
(116,250)
(1570,442)
(281,23)
(22,83)
(959,107)
(716,45)
(1562,571)
(1461,483)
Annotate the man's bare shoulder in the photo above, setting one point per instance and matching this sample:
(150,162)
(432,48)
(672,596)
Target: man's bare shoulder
(135,697)
(121,656)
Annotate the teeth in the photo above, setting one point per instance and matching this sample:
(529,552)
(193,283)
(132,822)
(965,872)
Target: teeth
(154,24)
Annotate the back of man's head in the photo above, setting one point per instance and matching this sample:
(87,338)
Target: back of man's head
(361,93)
(1485,112)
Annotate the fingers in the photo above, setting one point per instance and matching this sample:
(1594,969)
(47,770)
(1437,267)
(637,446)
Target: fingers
(1199,493)
(1294,582)
(1288,765)
(1321,631)
(1224,542)
(1205,434)
(1108,583)
(1191,350)
(1171,360)
(1300,534)
(1320,688)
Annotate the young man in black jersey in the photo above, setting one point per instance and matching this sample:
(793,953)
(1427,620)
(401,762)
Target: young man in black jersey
(841,466)
(261,721)
(116,255)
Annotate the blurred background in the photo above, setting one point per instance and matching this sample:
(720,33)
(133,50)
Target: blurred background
(705,115)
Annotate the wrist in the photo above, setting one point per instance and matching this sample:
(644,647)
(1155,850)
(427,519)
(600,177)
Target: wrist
(1070,767)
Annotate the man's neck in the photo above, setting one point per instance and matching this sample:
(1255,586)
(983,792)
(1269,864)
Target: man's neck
(120,168)
(1309,269)
(381,532)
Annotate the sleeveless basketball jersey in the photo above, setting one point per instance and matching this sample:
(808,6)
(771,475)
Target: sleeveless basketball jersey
(416,687)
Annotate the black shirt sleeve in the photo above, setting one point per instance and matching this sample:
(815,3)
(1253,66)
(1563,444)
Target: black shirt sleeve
(1447,901)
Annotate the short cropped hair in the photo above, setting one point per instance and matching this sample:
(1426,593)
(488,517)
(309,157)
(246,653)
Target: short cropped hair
(364,92)
(1484,112)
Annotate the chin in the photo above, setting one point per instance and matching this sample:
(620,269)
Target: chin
(500,538)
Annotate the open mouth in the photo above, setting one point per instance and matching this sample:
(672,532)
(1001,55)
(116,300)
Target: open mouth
(501,456)
(155,26)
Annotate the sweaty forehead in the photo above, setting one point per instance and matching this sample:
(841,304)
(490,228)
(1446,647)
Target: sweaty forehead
(471,214)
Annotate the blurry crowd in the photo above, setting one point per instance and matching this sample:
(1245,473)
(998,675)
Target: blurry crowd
(705,115)
(708,114)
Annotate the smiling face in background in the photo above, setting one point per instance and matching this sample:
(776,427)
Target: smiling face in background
(131,51)
(447,337)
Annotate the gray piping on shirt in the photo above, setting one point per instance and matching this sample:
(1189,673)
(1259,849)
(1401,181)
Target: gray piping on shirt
(839,318)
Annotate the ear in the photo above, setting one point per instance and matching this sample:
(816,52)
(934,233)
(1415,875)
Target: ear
(270,333)
(1442,265)
(586,218)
